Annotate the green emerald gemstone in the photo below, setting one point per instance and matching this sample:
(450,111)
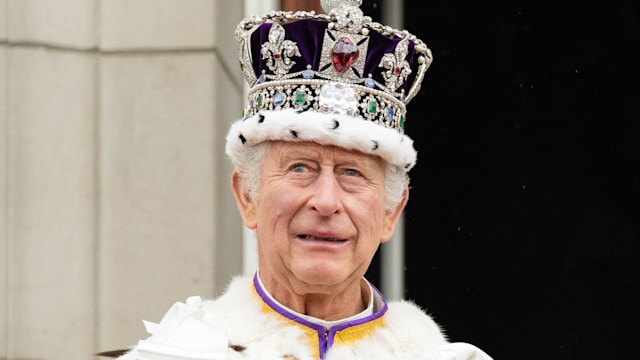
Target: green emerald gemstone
(372,107)
(300,97)
(401,121)
(260,101)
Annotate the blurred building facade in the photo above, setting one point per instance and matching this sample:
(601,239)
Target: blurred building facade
(114,195)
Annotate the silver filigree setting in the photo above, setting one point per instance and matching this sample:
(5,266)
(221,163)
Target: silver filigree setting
(328,97)
(278,51)
(348,18)
(398,68)
(328,5)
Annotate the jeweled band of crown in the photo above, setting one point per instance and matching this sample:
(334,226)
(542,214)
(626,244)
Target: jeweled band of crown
(338,62)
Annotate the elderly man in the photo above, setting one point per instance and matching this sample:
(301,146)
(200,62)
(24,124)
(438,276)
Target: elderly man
(321,174)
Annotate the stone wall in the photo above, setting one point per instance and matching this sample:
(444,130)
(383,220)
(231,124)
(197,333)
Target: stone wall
(114,195)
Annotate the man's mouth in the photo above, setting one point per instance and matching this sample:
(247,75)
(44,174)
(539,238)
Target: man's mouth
(316,238)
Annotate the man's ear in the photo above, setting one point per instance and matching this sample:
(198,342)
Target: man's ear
(246,205)
(392,217)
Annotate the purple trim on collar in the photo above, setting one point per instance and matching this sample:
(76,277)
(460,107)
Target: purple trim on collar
(282,311)
(333,330)
(326,342)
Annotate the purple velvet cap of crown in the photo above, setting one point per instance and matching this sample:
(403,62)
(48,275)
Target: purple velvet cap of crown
(309,34)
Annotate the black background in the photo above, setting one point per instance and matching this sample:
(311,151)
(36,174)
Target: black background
(523,224)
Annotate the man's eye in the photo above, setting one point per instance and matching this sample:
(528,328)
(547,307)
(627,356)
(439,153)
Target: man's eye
(351,172)
(299,168)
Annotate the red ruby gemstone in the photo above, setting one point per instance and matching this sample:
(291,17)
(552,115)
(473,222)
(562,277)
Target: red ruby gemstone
(344,54)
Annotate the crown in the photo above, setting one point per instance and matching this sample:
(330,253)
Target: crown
(339,63)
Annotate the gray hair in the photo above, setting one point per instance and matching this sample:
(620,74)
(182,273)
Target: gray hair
(249,162)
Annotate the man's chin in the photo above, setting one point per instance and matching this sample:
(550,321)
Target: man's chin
(322,275)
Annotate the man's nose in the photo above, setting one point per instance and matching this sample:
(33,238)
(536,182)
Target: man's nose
(326,199)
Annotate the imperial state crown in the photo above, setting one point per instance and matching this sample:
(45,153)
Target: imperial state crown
(341,65)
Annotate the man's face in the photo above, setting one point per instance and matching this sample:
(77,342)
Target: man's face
(320,215)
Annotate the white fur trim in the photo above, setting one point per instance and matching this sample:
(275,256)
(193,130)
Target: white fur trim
(328,129)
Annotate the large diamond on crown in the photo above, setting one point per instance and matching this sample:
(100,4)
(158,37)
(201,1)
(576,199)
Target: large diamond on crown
(338,98)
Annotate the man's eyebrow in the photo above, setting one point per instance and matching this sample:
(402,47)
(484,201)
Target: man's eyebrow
(300,153)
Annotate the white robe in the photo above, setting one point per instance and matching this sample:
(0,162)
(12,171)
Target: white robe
(243,324)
